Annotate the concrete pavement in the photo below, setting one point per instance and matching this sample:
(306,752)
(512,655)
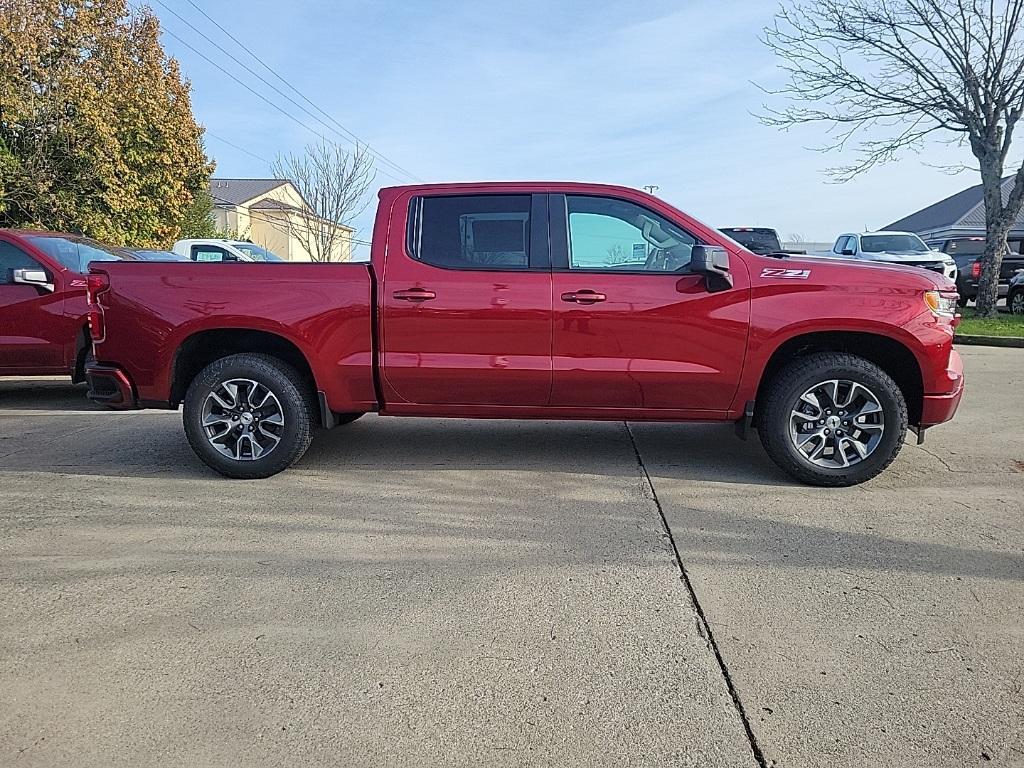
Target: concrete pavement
(505,593)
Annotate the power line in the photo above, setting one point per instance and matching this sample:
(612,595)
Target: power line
(343,132)
(260,96)
(222,140)
(305,98)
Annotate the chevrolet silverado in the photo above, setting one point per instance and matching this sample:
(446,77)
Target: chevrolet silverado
(534,300)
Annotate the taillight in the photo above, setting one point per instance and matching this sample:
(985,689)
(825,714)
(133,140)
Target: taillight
(976,270)
(95,285)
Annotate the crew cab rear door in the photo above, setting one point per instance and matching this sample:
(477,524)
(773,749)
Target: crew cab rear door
(632,327)
(466,301)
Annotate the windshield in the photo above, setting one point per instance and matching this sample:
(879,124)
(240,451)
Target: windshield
(880,243)
(256,253)
(77,253)
(974,246)
(756,240)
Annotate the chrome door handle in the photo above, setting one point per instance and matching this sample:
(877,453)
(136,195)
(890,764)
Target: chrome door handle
(584,297)
(415,294)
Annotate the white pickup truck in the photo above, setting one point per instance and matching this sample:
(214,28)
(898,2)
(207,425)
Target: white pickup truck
(223,250)
(903,248)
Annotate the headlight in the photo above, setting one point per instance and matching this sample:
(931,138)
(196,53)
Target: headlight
(942,304)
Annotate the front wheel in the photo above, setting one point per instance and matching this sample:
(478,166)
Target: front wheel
(832,419)
(248,416)
(1015,301)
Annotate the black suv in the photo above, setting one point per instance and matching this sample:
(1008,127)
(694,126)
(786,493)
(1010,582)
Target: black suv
(967,252)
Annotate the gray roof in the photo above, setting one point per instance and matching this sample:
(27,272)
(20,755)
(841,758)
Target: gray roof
(964,210)
(240,191)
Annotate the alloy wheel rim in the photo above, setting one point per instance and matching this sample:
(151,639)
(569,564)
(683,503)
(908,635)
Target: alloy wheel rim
(836,424)
(243,419)
(1017,305)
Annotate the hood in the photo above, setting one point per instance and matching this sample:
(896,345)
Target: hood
(927,279)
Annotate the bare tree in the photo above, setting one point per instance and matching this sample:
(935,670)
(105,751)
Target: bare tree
(797,238)
(889,74)
(334,183)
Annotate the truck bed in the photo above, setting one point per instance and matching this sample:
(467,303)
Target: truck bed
(152,309)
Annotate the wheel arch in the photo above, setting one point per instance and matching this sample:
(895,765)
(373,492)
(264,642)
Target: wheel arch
(203,347)
(889,354)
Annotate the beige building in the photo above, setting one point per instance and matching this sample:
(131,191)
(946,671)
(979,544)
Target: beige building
(272,213)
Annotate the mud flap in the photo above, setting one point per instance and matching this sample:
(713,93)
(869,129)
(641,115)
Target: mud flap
(745,423)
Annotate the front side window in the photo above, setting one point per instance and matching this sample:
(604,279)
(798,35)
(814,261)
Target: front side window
(12,258)
(472,231)
(844,243)
(209,253)
(610,234)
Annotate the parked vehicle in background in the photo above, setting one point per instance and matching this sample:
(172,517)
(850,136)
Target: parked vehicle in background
(1015,293)
(902,248)
(223,250)
(149,254)
(535,300)
(760,240)
(43,307)
(967,252)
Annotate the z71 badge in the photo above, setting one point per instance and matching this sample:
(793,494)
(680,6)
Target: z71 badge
(789,274)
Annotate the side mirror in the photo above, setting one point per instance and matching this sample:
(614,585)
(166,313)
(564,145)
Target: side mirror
(847,252)
(36,277)
(712,262)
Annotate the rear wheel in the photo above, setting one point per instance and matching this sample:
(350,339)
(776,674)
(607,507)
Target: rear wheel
(833,419)
(248,416)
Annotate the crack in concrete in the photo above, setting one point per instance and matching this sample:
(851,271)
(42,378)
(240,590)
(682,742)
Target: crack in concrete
(939,459)
(703,626)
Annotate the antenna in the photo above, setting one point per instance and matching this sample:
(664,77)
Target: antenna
(651,188)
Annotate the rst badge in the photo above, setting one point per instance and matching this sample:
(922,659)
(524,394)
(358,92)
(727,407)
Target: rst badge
(788,274)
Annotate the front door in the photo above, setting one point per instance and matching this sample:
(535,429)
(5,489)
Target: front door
(467,302)
(32,326)
(633,328)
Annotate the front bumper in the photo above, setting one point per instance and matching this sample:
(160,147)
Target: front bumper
(937,409)
(110,386)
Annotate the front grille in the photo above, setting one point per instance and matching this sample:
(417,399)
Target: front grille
(934,266)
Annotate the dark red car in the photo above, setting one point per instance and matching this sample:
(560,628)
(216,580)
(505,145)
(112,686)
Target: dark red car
(535,300)
(43,308)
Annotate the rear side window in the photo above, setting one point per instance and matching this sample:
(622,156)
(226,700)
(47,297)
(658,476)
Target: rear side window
(969,247)
(471,231)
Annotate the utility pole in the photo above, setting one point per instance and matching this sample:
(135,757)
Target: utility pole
(651,188)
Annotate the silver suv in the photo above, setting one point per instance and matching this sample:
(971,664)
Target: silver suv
(904,248)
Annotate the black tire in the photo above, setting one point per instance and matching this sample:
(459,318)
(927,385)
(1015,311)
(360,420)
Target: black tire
(783,395)
(962,301)
(1015,301)
(288,387)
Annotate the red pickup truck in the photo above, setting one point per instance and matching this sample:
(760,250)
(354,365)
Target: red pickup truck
(534,300)
(43,303)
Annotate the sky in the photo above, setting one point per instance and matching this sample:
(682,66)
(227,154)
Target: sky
(633,93)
